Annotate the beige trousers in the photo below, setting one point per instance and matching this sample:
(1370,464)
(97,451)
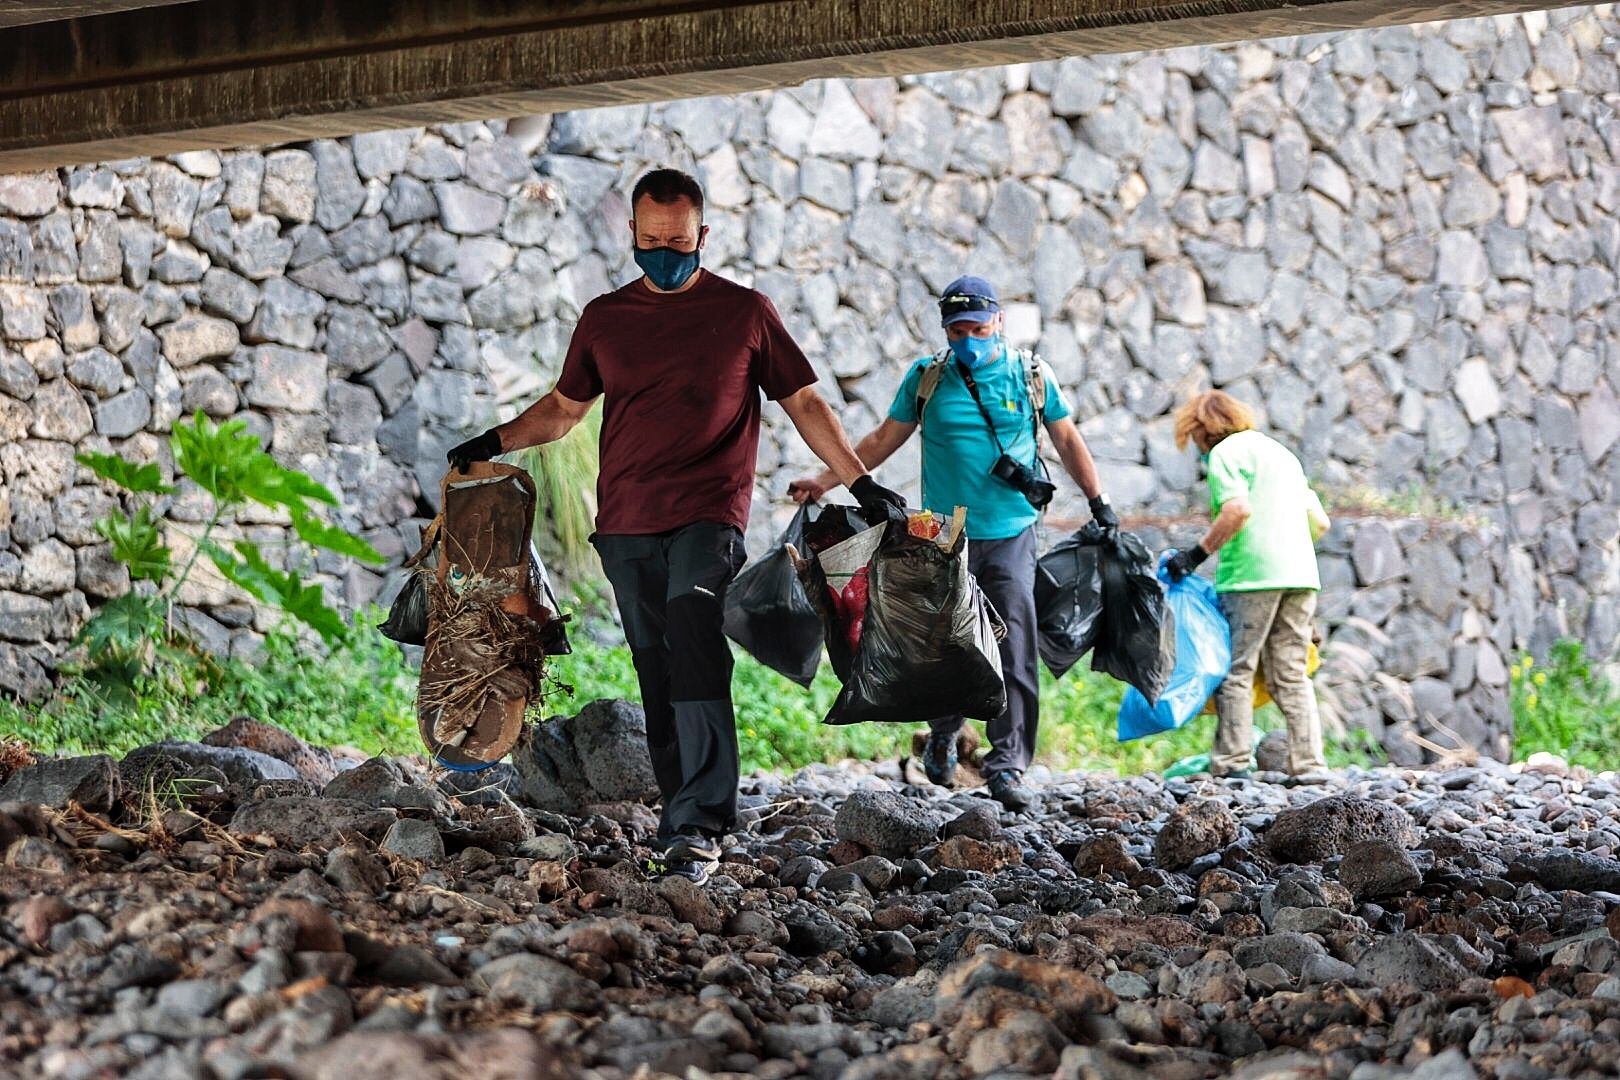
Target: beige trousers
(1270,627)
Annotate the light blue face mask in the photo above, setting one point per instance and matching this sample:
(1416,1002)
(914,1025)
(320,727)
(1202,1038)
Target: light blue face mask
(975,352)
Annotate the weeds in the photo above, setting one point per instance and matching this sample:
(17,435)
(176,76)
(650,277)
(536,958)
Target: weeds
(1565,707)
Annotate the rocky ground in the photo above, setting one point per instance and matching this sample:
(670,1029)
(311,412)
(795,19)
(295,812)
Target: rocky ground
(253,907)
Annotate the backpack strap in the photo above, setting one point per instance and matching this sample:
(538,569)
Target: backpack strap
(1035,383)
(928,381)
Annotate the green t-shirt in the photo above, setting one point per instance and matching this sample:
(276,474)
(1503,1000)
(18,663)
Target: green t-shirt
(1273,550)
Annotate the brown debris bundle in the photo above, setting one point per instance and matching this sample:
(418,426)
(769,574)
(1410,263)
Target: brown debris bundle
(14,755)
(482,650)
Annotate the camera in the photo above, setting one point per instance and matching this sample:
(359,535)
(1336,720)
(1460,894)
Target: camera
(1034,487)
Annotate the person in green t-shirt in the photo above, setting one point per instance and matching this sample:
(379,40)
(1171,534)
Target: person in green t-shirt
(1267,522)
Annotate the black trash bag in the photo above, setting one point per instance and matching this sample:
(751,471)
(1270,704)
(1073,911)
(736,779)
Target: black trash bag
(769,613)
(554,638)
(1137,640)
(1068,600)
(929,644)
(831,526)
(408,615)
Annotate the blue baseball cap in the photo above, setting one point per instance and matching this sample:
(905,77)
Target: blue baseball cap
(968,299)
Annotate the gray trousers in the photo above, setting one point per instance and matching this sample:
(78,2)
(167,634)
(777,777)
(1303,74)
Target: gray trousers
(670,589)
(1005,570)
(1271,629)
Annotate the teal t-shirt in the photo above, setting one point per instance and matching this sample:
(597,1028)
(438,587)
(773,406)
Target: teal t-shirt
(957,447)
(1274,549)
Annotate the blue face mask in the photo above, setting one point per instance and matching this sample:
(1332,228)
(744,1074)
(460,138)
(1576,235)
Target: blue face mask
(665,267)
(975,352)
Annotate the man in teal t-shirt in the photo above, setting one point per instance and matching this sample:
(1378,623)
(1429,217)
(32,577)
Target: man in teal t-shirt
(1267,522)
(976,402)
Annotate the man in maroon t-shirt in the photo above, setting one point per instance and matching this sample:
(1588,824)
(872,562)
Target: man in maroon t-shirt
(680,357)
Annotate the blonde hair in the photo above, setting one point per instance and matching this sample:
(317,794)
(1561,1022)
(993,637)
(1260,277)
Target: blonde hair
(1211,417)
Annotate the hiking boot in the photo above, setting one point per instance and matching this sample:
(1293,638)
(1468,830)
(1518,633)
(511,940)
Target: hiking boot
(939,758)
(1240,774)
(1006,787)
(693,844)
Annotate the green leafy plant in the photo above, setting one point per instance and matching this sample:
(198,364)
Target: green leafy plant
(128,636)
(1565,706)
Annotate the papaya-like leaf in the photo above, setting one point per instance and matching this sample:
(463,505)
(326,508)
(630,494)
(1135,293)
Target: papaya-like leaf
(137,543)
(128,475)
(229,462)
(216,456)
(248,569)
(314,531)
(240,574)
(124,626)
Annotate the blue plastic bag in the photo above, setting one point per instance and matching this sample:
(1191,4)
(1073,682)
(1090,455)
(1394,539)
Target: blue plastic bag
(1203,657)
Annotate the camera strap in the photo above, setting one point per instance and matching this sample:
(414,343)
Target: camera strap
(973,389)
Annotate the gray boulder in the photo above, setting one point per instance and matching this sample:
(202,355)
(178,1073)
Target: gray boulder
(382,782)
(1375,868)
(887,824)
(537,983)
(1327,827)
(598,756)
(91,781)
(233,764)
(1410,962)
(298,821)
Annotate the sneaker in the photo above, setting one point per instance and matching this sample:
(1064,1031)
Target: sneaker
(693,844)
(939,758)
(1006,787)
(694,870)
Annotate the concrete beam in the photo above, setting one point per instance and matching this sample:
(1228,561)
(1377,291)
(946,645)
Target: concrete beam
(221,73)
(24,12)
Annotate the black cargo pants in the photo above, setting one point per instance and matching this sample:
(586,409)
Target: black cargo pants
(1005,571)
(670,589)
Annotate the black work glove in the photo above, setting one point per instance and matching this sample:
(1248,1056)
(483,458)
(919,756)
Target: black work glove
(878,503)
(1102,512)
(1185,562)
(479,448)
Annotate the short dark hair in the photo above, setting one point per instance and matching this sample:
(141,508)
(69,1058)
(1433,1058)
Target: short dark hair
(666,186)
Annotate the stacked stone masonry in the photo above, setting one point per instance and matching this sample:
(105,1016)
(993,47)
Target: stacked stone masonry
(1401,244)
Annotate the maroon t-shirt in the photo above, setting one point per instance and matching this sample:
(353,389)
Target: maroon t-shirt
(681,375)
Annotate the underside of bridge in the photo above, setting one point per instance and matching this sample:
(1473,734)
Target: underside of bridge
(88,80)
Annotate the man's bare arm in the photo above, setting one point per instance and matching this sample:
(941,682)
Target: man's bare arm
(878,446)
(547,420)
(1076,456)
(821,431)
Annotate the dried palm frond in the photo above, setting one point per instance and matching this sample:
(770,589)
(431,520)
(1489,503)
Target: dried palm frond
(481,651)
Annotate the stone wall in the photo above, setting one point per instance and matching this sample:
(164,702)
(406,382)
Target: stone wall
(1400,244)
